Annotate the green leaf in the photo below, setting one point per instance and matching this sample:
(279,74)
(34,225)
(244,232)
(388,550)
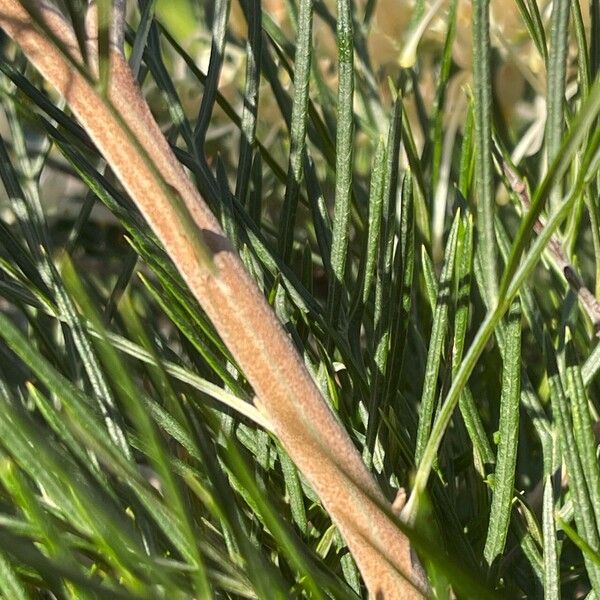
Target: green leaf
(436,343)
(484,182)
(344,149)
(303,57)
(551,551)
(508,433)
(217,57)
(557,71)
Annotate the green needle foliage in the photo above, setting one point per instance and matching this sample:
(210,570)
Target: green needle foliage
(429,241)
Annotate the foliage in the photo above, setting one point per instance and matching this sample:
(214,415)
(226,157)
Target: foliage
(426,247)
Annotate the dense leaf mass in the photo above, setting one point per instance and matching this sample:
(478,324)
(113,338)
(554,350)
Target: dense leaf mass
(413,191)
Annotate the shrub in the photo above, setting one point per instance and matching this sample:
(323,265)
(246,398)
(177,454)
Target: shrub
(320,259)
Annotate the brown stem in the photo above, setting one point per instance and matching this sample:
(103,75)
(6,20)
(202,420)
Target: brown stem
(125,132)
